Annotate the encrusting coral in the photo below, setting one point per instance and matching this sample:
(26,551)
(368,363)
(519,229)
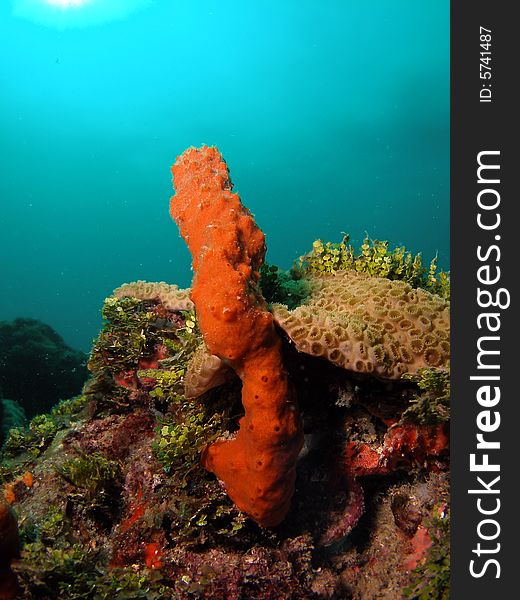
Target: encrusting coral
(354,317)
(258,465)
(369,324)
(170,296)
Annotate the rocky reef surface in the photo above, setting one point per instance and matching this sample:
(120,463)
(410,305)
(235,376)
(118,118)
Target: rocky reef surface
(110,490)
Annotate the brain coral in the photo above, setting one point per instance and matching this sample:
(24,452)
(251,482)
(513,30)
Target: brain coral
(170,296)
(369,324)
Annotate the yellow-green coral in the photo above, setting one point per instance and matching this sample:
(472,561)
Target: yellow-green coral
(204,372)
(377,311)
(369,324)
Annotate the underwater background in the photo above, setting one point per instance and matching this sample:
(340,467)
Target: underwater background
(332,116)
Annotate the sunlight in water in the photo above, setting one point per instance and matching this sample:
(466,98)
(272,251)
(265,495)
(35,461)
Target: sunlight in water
(67,3)
(64,14)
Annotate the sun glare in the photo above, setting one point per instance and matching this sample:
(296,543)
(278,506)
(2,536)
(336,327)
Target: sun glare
(67,3)
(62,14)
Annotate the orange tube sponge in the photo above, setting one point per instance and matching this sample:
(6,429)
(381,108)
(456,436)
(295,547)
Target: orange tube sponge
(257,466)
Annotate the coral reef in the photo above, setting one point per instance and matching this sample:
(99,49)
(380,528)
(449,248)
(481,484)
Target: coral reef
(169,296)
(111,496)
(358,321)
(431,578)
(113,500)
(404,445)
(257,466)
(37,368)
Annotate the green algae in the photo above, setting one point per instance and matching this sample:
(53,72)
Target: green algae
(179,442)
(378,259)
(190,507)
(93,474)
(432,404)
(431,580)
(284,287)
(42,428)
(56,567)
(32,440)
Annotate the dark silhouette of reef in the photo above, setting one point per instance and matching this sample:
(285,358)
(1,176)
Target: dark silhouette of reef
(11,415)
(37,368)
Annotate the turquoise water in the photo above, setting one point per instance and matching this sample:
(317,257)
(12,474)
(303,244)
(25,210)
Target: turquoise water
(333,116)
